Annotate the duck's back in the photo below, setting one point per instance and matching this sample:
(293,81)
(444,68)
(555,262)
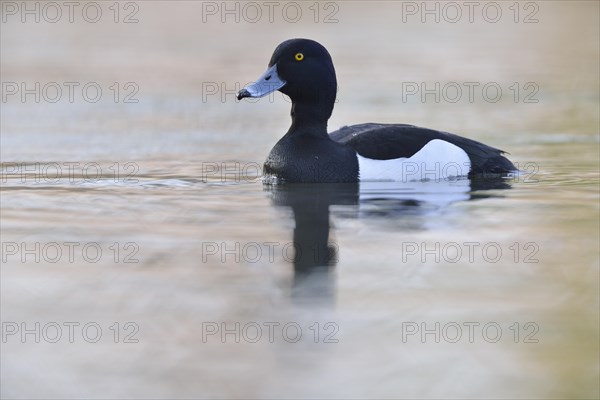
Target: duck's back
(393,141)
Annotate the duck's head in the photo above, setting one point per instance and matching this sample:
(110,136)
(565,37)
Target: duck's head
(300,68)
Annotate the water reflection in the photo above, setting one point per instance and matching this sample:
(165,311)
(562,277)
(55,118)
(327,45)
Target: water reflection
(316,255)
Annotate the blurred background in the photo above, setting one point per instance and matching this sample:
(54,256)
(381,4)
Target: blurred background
(145,91)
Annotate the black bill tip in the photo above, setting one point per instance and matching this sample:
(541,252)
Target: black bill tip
(243,93)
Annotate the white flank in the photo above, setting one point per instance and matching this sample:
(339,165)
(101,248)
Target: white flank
(437,160)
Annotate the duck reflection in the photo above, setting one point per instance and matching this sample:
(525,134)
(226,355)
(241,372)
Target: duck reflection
(316,254)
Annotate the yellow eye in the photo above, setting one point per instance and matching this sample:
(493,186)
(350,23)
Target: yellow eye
(299,56)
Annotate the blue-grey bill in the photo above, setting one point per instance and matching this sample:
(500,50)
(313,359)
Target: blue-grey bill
(267,83)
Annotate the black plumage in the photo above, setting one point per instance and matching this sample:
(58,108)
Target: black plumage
(303,70)
(389,141)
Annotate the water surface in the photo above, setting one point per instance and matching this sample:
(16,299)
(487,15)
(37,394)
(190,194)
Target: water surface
(192,241)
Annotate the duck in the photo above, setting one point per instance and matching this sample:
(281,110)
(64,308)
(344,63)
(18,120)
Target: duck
(303,70)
